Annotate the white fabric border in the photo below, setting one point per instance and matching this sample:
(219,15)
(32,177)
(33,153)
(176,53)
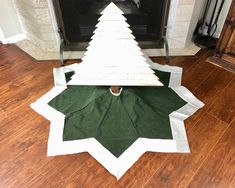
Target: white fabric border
(177,117)
(117,166)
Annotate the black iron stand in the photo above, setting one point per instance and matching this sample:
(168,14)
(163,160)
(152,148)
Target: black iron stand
(62,44)
(166,50)
(208,41)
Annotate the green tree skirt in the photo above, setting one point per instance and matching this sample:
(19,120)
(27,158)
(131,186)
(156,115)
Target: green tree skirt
(117,121)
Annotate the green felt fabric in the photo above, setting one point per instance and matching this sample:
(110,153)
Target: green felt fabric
(116,122)
(68,76)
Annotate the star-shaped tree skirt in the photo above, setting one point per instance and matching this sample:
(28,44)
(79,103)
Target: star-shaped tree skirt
(117,130)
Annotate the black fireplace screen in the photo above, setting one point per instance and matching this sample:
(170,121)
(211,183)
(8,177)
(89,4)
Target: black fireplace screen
(77,18)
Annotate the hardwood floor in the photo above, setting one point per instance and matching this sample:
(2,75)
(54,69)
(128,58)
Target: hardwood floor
(24,133)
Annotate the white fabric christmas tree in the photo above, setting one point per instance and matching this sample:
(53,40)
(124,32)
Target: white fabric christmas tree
(113,57)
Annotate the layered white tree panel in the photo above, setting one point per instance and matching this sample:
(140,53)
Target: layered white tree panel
(113,57)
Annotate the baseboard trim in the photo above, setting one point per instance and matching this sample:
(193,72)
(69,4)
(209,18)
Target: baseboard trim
(13,39)
(222,63)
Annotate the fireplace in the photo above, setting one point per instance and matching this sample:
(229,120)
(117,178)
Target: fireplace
(77,19)
(41,19)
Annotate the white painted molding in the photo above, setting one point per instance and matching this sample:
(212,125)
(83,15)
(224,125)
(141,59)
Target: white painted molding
(13,39)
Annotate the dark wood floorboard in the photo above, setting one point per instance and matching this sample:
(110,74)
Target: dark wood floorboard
(177,170)
(224,106)
(24,133)
(219,159)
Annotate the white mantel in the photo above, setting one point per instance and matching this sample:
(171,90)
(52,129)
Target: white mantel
(38,21)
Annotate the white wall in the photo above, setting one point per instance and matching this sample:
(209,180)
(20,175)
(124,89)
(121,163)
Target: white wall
(10,28)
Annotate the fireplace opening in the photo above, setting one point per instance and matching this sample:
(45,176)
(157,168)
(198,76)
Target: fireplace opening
(77,19)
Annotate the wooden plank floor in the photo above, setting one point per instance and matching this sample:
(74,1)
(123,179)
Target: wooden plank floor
(24,133)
